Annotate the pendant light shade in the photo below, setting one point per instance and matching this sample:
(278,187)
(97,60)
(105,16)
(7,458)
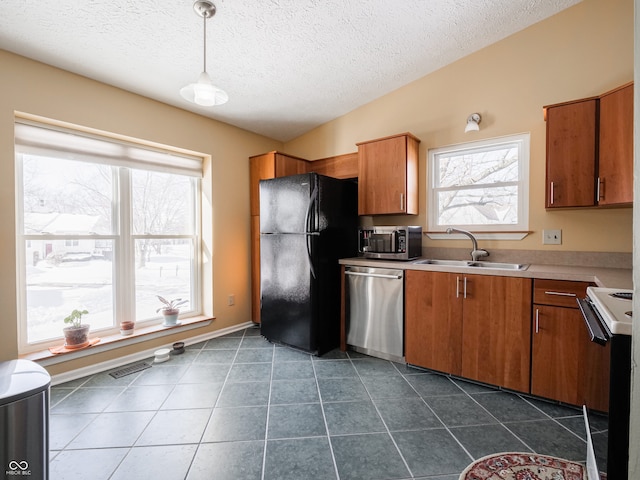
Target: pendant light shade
(203,92)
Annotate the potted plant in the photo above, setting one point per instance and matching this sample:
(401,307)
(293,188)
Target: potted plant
(77,333)
(170,310)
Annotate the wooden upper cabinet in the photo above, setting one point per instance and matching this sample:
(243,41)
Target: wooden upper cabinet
(341,166)
(590,151)
(261,167)
(287,165)
(270,165)
(571,154)
(388,175)
(615,172)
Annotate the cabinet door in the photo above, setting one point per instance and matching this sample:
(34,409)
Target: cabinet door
(261,167)
(615,169)
(341,166)
(557,336)
(571,154)
(287,165)
(496,332)
(388,176)
(255,268)
(433,321)
(566,366)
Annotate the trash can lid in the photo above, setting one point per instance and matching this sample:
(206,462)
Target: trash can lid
(20,379)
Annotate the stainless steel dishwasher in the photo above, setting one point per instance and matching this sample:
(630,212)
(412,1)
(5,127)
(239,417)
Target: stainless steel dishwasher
(375,311)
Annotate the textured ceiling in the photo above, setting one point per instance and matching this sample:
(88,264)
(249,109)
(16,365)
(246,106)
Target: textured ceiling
(287,65)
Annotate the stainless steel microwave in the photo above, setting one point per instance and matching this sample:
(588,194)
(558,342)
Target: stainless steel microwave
(390,242)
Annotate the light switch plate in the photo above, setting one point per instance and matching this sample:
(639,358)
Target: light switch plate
(552,237)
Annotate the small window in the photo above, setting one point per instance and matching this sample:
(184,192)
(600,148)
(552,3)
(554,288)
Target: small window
(480,186)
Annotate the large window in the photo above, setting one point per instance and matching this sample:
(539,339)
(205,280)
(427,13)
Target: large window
(103,225)
(480,186)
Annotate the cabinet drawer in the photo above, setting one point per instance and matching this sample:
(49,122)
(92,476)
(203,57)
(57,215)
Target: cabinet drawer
(560,293)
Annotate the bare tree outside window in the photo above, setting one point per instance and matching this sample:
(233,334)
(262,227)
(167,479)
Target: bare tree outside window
(479,185)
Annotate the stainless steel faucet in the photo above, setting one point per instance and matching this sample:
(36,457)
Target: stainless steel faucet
(476,253)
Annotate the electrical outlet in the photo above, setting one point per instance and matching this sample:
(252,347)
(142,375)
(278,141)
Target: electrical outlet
(552,237)
(231,300)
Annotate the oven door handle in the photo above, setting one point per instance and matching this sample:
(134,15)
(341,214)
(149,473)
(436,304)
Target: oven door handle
(596,332)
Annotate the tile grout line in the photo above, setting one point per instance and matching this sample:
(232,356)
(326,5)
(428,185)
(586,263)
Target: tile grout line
(496,418)
(555,420)
(406,464)
(224,383)
(266,428)
(324,418)
(446,427)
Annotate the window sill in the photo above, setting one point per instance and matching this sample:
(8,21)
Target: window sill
(110,342)
(478,235)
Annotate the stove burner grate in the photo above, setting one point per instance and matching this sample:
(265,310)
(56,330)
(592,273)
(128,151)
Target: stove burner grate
(622,295)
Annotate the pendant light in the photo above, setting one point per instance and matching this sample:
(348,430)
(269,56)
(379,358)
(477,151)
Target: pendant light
(203,92)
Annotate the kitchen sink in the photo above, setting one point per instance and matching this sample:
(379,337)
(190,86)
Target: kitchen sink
(469,263)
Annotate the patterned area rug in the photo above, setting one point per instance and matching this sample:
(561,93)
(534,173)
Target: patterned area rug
(523,466)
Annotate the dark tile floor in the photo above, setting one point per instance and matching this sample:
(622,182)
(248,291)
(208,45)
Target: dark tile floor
(238,407)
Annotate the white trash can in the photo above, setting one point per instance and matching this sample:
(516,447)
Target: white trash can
(24,420)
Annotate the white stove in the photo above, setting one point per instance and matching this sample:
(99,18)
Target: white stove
(614,307)
(608,317)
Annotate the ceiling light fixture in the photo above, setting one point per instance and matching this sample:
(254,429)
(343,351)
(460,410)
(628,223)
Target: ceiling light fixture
(473,123)
(203,92)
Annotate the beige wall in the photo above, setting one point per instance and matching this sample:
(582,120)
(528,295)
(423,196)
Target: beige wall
(583,51)
(38,89)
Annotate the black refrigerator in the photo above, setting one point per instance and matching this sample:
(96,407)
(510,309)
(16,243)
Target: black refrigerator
(307,223)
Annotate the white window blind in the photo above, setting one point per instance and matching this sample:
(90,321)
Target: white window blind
(54,141)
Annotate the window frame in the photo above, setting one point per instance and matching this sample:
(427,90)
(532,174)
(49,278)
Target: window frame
(493,231)
(122,238)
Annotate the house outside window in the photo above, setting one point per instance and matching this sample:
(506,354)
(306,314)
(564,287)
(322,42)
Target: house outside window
(103,225)
(480,186)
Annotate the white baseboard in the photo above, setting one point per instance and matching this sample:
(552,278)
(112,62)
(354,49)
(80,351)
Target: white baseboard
(138,356)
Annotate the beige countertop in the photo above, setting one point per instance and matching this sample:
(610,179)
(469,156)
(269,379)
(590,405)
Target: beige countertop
(603,277)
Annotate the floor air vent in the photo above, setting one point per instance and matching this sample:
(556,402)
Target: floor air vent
(129,369)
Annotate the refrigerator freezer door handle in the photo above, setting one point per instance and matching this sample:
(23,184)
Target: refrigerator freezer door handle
(309,217)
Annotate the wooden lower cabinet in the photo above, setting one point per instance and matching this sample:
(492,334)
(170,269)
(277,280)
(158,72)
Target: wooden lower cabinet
(496,334)
(433,321)
(566,366)
(475,326)
(255,268)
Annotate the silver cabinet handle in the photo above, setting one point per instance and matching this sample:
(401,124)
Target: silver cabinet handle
(599,189)
(457,287)
(465,288)
(551,193)
(376,275)
(537,320)
(402,202)
(561,294)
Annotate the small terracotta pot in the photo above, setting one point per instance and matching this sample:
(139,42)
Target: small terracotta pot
(126,327)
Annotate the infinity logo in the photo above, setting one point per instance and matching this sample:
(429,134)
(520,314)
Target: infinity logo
(13,465)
